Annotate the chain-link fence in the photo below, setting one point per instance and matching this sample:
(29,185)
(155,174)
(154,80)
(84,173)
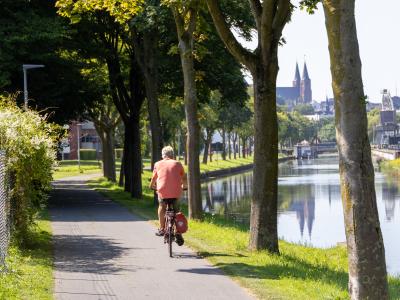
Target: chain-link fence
(4,211)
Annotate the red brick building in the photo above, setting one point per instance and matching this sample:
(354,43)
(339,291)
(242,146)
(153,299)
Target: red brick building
(89,139)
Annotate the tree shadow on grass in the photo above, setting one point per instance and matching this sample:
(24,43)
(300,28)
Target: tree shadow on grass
(225,222)
(287,267)
(214,254)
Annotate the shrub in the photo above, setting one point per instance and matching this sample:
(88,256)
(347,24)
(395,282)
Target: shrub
(88,154)
(29,143)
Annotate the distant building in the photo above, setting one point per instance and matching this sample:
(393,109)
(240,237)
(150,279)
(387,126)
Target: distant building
(89,139)
(387,132)
(372,105)
(299,93)
(325,108)
(396,102)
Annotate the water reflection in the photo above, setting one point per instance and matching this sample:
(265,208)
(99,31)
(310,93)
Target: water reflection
(302,202)
(389,194)
(310,208)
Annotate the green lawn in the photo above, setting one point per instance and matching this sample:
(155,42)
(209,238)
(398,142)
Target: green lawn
(298,273)
(224,164)
(30,268)
(68,168)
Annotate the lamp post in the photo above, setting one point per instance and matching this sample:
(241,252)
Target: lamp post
(25,68)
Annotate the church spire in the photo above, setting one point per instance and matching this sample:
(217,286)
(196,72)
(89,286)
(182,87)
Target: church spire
(296,80)
(305,86)
(305,72)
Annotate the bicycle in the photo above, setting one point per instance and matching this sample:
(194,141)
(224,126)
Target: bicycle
(170,227)
(170,230)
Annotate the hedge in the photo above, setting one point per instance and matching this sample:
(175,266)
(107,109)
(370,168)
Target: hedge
(29,142)
(88,154)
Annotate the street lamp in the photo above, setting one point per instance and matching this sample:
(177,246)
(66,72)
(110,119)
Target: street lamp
(25,68)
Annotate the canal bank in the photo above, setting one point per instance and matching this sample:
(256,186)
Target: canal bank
(300,272)
(309,204)
(211,175)
(385,154)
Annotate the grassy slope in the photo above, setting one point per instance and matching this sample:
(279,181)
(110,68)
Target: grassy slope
(30,268)
(299,273)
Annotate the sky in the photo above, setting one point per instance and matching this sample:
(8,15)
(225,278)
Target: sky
(378,26)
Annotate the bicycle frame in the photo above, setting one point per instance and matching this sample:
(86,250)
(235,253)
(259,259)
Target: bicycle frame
(169,235)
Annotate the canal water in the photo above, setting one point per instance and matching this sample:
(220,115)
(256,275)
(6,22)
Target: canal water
(310,209)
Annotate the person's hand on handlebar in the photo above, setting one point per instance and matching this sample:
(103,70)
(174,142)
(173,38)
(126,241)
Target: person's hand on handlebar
(153,184)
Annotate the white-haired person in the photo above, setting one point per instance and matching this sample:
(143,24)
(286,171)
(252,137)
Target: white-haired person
(168,179)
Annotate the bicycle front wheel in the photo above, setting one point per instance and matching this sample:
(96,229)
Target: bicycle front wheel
(170,243)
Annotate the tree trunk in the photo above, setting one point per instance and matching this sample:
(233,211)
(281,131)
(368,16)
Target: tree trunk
(121,181)
(155,121)
(223,144)
(366,253)
(270,18)
(185,157)
(205,152)
(108,157)
(210,152)
(193,129)
(137,93)
(136,190)
(244,140)
(263,221)
(234,145)
(127,159)
(238,141)
(145,44)
(229,145)
(207,142)
(174,146)
(132,159)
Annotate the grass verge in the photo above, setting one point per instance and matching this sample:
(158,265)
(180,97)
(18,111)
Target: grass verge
(30,268)
(224,164)
(298,273)
(69,168)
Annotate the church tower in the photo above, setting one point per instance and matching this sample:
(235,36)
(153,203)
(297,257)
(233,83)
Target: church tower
(296,80)
(305,87)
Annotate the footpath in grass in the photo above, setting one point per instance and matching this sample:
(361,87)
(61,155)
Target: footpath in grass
(30,268)
(298,273)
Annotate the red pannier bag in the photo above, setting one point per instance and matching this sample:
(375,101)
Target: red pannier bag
(181,223)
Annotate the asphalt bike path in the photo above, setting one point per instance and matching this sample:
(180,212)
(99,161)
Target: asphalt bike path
(102,251)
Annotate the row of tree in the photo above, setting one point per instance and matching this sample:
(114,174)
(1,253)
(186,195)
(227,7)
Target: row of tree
(137,46)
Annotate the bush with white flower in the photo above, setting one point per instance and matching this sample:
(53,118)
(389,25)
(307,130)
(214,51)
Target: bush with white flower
(29,142)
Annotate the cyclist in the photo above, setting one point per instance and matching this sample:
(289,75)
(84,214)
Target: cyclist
(168,179)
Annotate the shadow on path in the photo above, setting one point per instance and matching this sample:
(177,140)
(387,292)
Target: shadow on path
(74,201)
(87,254)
